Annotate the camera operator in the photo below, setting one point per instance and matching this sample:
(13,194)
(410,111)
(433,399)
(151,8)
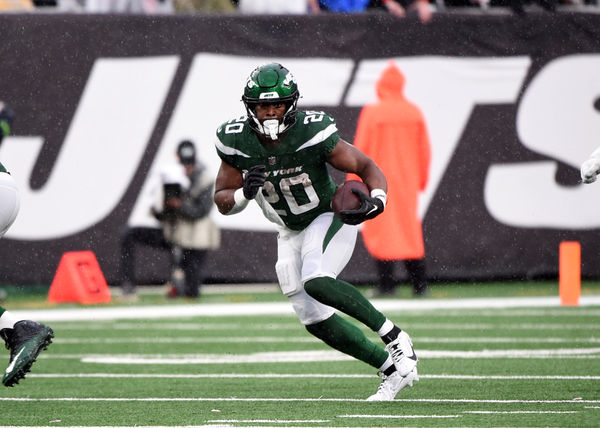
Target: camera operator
(187,198)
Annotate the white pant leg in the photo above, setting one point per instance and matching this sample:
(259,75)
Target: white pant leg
(338,250)
(289,268)
(9,201)
(300,257)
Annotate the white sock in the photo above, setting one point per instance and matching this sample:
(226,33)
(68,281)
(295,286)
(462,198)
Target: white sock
(7,320)
(385,328)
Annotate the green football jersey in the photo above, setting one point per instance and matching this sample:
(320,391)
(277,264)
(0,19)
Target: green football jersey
(298,186)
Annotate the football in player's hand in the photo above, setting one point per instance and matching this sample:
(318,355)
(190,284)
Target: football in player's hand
(344,199)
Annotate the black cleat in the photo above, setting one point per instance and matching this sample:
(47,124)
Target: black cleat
(25,341)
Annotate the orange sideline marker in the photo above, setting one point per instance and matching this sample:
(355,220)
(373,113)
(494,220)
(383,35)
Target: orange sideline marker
(569,286)
(79,279)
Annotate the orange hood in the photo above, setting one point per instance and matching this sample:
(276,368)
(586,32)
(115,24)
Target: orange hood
(391,83)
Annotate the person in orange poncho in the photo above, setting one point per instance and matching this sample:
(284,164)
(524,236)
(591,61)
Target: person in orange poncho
(394,134)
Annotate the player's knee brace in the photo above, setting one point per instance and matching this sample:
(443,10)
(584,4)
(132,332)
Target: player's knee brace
(288,277)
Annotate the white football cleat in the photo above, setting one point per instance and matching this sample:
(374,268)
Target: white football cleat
(402,352)
(393,384)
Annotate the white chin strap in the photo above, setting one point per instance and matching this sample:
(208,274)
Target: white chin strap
(271,128)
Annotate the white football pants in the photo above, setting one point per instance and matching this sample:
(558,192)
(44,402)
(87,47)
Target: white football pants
(300,258)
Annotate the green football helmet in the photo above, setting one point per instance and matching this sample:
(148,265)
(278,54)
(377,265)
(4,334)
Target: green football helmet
(271,83)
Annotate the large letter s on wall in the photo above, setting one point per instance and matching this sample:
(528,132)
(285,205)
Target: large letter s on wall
(556,118)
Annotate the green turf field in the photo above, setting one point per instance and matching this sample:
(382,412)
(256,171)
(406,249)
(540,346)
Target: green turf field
(501,367)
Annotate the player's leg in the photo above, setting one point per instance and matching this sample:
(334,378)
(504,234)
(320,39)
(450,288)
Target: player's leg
(321,321)
(25,339)
(349,339)
(318,318)
(327,248)
(9,200)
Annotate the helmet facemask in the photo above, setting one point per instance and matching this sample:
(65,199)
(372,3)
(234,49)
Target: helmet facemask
(271,83)
(272,128)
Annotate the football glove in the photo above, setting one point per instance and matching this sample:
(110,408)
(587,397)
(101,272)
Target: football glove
(369,208)
(253,181)
(589,170)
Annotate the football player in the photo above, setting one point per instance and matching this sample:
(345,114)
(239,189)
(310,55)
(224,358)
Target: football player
(25,339)
(278,156)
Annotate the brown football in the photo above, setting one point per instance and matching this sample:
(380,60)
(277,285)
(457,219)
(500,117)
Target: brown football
(344,199)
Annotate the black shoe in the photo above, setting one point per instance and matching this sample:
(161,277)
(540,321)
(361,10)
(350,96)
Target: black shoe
(25,341)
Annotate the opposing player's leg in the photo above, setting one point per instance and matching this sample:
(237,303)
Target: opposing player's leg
(25,339)
(9,200)
(321,265)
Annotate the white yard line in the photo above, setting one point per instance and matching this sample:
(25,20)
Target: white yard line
(313,356)
(293,324)
(288,376)
(286,400)
(268,421)
(399,416)
(310,339)
(516,412)
(279,308)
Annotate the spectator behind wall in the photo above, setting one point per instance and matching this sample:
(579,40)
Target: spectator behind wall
(396,8)
(203,6)
(393,133)
(148,7)
(278,6)
(16,5)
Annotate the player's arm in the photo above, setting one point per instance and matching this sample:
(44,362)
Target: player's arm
(591,167)
(233,190)
(347,158)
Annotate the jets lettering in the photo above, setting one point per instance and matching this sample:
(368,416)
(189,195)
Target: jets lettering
(518,194)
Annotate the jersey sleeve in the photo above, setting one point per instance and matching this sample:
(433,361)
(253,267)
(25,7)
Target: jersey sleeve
(321,132)
(228,142)
(332,140)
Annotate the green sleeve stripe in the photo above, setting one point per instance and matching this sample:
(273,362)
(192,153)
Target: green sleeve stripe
(229,151)
(319,137)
